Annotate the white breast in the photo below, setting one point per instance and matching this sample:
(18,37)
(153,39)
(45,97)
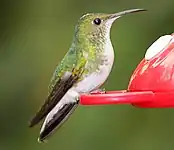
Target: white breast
(96,79)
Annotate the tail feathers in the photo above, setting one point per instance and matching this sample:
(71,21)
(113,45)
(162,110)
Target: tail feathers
(56,118)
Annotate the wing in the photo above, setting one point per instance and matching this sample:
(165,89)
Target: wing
(61,85)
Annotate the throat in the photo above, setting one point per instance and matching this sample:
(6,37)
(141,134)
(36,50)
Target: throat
(108,54)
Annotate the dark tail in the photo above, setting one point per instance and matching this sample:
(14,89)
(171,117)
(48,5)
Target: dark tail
(56,118)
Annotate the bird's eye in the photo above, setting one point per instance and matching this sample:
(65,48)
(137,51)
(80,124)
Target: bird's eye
(97,21)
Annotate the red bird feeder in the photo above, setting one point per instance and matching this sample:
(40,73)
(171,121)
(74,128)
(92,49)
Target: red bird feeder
(152,83)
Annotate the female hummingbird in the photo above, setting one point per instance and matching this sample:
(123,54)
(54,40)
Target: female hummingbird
(84,69)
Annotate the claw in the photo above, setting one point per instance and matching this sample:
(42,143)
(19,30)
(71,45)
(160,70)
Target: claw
(98,91)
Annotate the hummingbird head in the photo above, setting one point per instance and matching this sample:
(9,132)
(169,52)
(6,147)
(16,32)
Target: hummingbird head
(95,27)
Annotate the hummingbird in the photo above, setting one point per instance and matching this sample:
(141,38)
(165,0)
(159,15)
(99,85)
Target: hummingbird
(84,68)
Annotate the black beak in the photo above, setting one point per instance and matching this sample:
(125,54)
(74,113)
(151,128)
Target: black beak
(119,14)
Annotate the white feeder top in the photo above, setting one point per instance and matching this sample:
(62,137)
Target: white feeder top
(157,46)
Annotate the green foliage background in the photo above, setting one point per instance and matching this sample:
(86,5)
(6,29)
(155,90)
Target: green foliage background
(35,35)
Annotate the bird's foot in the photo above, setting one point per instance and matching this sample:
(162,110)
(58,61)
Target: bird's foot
(98,91)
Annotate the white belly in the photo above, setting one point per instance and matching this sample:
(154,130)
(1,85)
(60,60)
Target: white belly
(96,79)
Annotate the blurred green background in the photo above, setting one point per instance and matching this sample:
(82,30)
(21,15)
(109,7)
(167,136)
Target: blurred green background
(35,35)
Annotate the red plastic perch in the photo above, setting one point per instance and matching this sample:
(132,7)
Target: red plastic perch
(146,99)
(116,97)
